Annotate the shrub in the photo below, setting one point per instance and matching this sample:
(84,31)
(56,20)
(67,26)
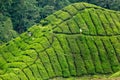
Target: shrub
(65,27)
(117,74)
(42,69)
(88,21)
(79,6)
(111,23)
(116,20)
(105,22)
(68,53)
(46,62)
(62,60)
(111,55)
(54,61)
(29,73)
(94,54)
(73,26)
(71,10)
(85,53)
(97,23)
(115,43)
(81,23)
(53,19)
(62,15)
(103,56)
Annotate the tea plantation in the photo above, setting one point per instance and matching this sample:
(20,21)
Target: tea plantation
(80,39)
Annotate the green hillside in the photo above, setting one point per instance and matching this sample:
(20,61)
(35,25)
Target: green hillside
(81,39)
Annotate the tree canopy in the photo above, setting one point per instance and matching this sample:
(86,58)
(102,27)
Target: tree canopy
(6,29)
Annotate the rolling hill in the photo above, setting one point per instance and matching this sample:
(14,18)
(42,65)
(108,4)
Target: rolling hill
(80,39)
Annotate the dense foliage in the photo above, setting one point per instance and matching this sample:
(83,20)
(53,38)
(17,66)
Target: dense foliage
(57,47)
(25,13)
(6,29)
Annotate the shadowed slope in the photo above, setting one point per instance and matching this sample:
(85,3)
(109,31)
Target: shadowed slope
(81,39)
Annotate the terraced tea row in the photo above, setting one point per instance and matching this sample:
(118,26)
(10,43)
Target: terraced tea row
(92,20)
(73,56)
(81,39)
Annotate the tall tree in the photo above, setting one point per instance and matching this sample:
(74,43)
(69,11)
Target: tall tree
(24,14)
(6,29)
(4,6)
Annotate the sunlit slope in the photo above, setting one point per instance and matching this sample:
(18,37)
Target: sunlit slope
(81,39)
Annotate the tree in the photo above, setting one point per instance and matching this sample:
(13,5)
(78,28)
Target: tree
(24,14)
(6,29)
(4,6)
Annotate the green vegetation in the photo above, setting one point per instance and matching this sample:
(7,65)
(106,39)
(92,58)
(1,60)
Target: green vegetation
(25,13)
(82,41)
(6,29)
(117,74)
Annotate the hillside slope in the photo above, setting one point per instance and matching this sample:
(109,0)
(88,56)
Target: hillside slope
(81,39)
